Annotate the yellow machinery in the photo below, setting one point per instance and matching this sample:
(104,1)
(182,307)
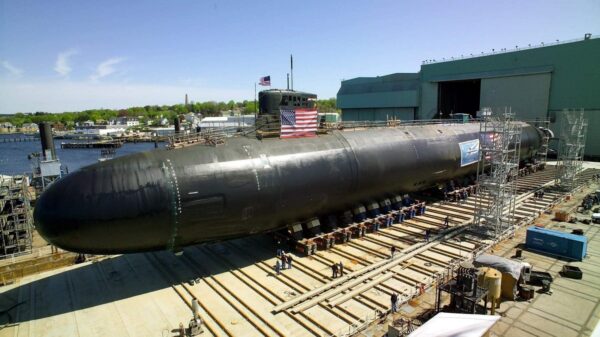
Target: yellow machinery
(491,279)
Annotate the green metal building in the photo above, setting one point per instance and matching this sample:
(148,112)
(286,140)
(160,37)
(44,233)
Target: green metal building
(537,83)
(380,98)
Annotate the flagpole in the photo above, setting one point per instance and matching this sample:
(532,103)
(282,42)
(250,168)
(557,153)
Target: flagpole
(292,69)
(254,101)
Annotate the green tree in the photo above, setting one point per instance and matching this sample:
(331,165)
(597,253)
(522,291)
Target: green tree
(231,105)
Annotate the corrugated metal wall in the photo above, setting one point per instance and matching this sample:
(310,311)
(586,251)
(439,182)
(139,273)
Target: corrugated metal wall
(527,95)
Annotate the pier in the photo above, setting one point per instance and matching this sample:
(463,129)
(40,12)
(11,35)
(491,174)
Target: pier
(92,145)
(19,139)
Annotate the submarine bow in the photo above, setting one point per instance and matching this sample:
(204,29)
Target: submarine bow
(167,199)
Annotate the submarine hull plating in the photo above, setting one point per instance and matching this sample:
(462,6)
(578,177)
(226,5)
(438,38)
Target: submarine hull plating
(167,199)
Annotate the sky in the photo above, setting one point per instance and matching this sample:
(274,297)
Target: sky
(61,55)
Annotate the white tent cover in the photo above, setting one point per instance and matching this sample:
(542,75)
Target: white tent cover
(456,325)
(501,264)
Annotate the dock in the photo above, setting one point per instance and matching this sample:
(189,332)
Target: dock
(92,145)
(19,139)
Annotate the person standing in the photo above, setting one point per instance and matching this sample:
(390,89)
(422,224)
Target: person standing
(278,267)
(447,221)
(394,300)
(393,250)
(289,261)
(334,270)
(427,235)
(283,261)
(341,267)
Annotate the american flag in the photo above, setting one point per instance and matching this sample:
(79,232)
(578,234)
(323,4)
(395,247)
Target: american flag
(298,123)
(265,81)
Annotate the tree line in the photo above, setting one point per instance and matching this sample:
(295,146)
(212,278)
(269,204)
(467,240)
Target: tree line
(152,113)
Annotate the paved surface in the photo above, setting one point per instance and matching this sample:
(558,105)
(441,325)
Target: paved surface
(573,309)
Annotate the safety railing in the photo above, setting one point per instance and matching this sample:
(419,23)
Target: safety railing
(29,254)
(506,50)
(359,325)
(209,137)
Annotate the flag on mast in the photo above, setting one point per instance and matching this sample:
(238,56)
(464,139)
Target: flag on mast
(297,123)
(266,81)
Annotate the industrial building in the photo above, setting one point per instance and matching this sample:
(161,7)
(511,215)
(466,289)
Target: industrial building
(536,82)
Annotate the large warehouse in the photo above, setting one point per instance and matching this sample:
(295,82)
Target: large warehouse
(537,83)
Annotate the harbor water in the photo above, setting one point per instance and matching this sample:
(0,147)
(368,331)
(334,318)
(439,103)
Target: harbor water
(13,155)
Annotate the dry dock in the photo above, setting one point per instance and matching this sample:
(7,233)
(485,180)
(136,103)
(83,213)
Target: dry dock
(240,295)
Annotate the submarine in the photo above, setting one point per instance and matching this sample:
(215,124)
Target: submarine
(170,198)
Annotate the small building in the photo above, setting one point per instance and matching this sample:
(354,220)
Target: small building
(29,128)
(192,119)
(228,124)
(162,131)
(7,127)
(101,130)
(128,121)
(58,126)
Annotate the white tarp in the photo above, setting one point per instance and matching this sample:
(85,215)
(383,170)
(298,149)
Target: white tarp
(501,264)
(456,325)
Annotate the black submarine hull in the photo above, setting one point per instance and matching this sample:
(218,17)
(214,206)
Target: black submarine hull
(167,199)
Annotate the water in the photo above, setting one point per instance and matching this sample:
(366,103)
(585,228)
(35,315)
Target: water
(13,156)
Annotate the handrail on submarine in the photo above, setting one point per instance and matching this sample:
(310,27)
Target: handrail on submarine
(217,136)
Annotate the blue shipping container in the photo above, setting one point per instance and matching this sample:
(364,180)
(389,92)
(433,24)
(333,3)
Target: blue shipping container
(565,245)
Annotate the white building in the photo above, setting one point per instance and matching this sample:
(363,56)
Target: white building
(29,127)
(101,130)
(128,121)
(230,123)
(193,119)
(164,131)
(6,127)
(164,121)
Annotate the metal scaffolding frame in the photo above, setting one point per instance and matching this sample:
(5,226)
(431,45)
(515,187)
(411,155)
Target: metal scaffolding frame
(571,147)
(16,223)
(497,170)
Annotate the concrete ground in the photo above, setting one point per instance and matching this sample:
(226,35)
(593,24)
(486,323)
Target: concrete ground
(573,307)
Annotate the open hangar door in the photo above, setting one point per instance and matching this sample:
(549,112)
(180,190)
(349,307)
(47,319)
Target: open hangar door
(527,95)
(459,97)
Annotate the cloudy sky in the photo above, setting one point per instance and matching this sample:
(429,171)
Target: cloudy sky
(72,55)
